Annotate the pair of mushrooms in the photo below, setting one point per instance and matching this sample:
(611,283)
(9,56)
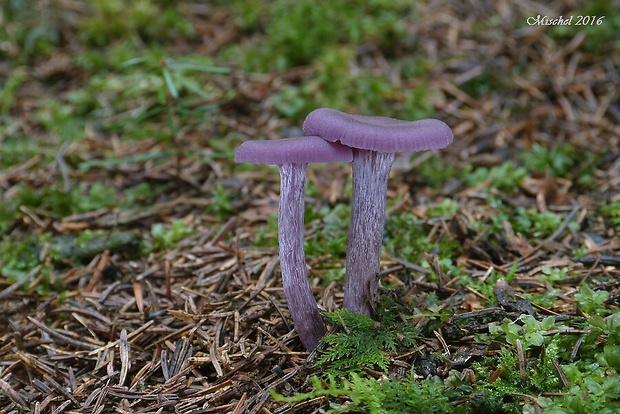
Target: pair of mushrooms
(370,142)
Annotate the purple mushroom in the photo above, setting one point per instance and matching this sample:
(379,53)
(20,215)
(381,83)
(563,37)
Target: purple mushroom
(292,156)
(374,141)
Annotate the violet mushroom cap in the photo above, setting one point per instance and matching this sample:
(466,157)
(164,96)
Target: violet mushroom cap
(374,141)
(292,156)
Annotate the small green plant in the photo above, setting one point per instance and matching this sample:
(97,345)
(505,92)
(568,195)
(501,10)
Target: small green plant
(525,221)
(406,237)
(591,301)
(533,223)
(386,396)
(362,342)
(547,299)
(221,206)
(77,199)
(178,88)
(594,376)
(8,213)
(611,211)
(446,208)
(58,118)
(505,177)
(553,274)
(608,326)
(293,101)
(142,194)
(168,236)
(526,329)
(559,159)
(93,197)
(484,83)
(484,286)
(27,31)
(19,258)
(436,171)
(330,227)
(9,90)
(600,397)
(16,150)
(81,249)
(267,235)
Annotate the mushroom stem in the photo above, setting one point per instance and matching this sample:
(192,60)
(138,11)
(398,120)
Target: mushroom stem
(371,170)
(301,302)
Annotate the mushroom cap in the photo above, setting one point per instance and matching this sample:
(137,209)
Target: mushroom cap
(298,150)
(377,133)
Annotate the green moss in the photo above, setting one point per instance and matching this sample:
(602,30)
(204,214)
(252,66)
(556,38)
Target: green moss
(591,301)
(505,177)
(486,82)
(83,248)
(558,159)
(167,236)
(330,231)
(361,342)
(296,32)
(19,258)
(611,212)
(601,25)
(78,199)
(593,380)
(142,194)
(221,205)
(406,237)
(10,88)
(532,223)
(385,396)
(368,93)
(29,31)
(594,376)
(112,20)
(445,208)
(436,171)
(58,118)
(16,150)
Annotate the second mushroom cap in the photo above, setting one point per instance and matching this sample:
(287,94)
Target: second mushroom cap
(377,133)
(299,150)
